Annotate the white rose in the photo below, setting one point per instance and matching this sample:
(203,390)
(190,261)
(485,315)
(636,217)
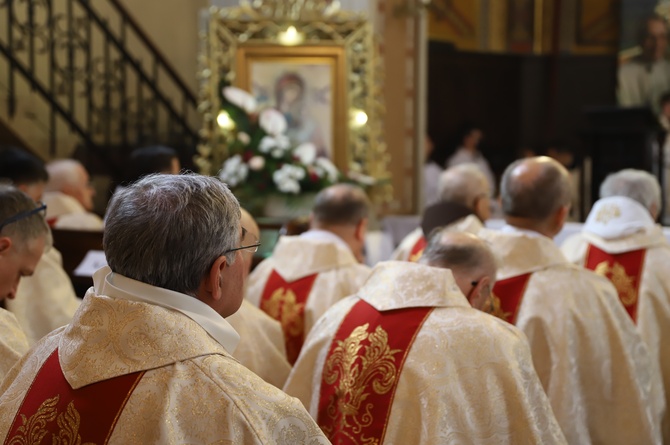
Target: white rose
(273,122)
(306,153)
(240,98)
(244,138)
(234,171)
(257,163)
(328,168)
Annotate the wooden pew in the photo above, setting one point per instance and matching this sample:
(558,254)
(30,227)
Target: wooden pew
(73,246)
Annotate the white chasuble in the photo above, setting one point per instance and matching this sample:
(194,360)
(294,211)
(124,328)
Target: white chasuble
(593,364)
(467,377)
(13,342)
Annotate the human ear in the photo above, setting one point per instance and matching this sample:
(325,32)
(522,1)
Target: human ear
(5,244)
(361,228)
(214,279)
(476,299)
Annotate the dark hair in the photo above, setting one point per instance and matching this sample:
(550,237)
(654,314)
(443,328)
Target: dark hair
(21,167)
(665,98)
(152,159)
(643,26)
(340,204)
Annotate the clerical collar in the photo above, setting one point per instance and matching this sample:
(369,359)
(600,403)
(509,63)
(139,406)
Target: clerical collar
(324,235)
(442,214)
(114,285)
(512,229)
(618,216)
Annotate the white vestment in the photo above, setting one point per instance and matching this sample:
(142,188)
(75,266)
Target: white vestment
(193,390)
(470,224)
(46,300)
(65,212)
(592,363)
(295,257)
(13,342)
(653,298)
(261,347)
(468,377)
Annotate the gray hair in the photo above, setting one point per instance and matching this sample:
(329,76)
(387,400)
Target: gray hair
(63,173)
(535,197)
(637,185)
(341,204)
(167,230)
(463,184)
(14,202)
(463,253)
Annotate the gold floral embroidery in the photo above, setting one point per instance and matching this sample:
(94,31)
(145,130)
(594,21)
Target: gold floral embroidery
(416,257)
(624,283)
(284,307)
(375,369)
(496,308)
(34,428)
(608,213)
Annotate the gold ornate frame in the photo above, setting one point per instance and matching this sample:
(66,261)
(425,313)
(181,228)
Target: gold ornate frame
(236,35)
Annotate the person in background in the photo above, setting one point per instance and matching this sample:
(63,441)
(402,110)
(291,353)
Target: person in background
(69,197)
(24,235)
(470,136)
(261,347)
(308,273)
(153,159)
(47,299)
(621,241)
(407,360)
(147,357)
(431,175)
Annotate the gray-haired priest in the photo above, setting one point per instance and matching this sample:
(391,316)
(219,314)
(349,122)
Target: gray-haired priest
(146,358)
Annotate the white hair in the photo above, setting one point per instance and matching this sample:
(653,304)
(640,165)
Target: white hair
(637,185)
(63,173)
(167,230)
(463,184)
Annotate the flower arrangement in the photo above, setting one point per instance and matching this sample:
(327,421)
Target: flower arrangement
(262,160)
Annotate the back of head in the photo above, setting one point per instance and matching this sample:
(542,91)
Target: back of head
(20,167)
(464,253)
(167,230)
(535,188)
(340,205)
(463,184)
(64,173)
(153,159)
(19,218)
(637,185)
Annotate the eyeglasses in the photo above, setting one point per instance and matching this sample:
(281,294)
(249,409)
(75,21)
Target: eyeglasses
(28,213)
(252,243)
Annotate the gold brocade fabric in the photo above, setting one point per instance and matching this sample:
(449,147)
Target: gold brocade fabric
(340,275)
(46,300)
(653,310)
(470,224)
(592,363)
(13,342)
(261,347)
(464,376)
(193,391)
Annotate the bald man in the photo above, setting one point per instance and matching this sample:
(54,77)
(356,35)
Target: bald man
(69,197)
(622,242)
(307,274)
(464,204)
(596,370)
(433,369)
(261,347)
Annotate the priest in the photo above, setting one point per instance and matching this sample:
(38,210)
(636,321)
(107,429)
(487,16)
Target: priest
(593,364)
(308,273)
(147,357)
(407,360)
(464,204)
(621,241)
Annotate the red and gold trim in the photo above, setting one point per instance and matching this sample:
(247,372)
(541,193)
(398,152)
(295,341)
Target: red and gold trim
(508,295)
(362,371)
(417,250)
(624,270)
(285,302)
(55,412)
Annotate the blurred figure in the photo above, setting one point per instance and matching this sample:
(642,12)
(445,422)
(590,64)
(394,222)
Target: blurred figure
(307,274)
(470,136)
(69,197)
(587,353)
(622,242)
(261,347)
(407,360)
(153,159)
(431,175)
(463,207)
(47,299)
(23,237)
